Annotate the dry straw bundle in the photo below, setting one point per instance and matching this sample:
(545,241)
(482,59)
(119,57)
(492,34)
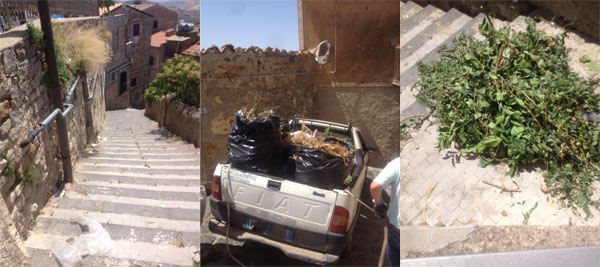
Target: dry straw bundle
(304,138)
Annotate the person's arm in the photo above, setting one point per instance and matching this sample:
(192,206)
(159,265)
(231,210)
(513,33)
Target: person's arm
(376,190)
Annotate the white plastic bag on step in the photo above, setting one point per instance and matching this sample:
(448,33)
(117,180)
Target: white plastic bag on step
(94,240)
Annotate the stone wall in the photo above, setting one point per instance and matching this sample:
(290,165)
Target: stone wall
(236,78)
(178,118)
(25,102)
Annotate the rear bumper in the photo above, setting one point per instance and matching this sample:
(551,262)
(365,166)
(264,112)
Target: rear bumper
(327,246)
(291,251)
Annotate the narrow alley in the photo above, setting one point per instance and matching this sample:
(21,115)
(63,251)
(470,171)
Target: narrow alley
(142,185)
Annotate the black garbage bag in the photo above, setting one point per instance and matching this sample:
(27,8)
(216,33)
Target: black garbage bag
(319,169)
(255,144)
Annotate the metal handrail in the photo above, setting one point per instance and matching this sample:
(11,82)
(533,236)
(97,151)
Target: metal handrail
(44,124)
(71,91)
(93,86)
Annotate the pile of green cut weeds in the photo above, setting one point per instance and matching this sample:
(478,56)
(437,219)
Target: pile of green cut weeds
(512,98)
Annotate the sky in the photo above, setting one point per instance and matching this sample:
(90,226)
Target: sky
(245,23)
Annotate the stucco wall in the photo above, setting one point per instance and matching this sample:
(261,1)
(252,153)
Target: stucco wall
(362,38)
(374,110)
(245,77)
(24,102)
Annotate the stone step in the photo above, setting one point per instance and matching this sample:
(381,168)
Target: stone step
(123,219)
(409,107)
(428,39)
(154,145)
(168,149)
(100,196)
(151,163)
(178,181)
(417,23)
(160,254)
(408,10)
(119,190)
(140,175)
(83,205)
(143,170)
(117,232)
(44,258)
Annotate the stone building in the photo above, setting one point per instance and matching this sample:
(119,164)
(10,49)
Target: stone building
(128,74)
(164,18)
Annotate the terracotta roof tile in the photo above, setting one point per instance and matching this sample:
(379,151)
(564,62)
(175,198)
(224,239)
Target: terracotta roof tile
(158,39)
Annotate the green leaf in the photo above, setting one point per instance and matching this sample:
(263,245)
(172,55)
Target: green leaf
(584,59)
(488,142)
(516,130)
(593,66)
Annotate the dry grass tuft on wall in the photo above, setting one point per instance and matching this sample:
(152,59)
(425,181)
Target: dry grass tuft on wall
(83,45)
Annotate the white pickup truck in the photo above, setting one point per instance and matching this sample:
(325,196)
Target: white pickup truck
(304,221)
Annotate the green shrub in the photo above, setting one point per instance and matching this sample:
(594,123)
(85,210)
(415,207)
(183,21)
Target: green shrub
(35,36)
(512,98)
(181,76)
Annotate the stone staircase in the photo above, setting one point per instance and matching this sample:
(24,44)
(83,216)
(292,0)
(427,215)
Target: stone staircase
(142,184)
(423,30)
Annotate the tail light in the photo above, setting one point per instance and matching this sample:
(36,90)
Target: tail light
(339,220)
(216,187)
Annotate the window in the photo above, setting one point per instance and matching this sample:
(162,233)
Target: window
(151,61)
(123,83)
(136,29)
(133,82)
(155,25)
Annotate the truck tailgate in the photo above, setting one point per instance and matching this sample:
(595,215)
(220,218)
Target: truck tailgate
(279,201)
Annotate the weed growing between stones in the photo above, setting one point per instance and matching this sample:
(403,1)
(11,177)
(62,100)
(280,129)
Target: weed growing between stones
(10,167)
(28,177)
(511,98)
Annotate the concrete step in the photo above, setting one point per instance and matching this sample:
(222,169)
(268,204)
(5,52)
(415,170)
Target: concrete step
(430,38)
(45,258)
(174,214)
(426,44)
(415,24)
(122,250)
(160,192)
(138,156)
(117,232)
(155,181)
(408,10)
(187,171)
(151,163)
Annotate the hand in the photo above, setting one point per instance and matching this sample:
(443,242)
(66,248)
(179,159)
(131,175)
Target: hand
(381,209)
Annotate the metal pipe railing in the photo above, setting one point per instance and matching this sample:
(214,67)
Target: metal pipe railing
(69,97)
(41,126)
(93,86)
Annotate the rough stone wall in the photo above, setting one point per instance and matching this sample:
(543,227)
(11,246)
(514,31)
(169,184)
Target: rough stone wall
(25,102)
(178,118)
(167,19)
(12,250)
(117,25)
(232,79)
(140,67)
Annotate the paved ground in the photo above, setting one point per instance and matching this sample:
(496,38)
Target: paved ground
(142,185)
(366,243)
